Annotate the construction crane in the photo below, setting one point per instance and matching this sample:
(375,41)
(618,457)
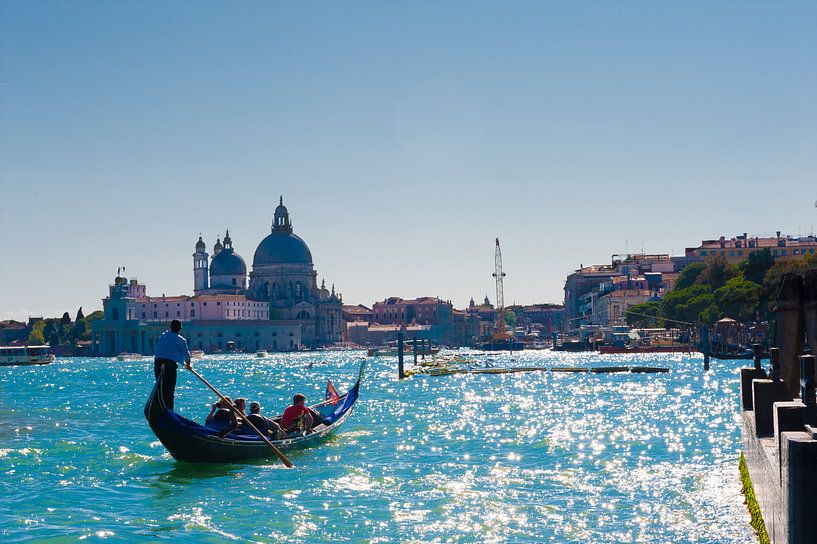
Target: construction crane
(500,295)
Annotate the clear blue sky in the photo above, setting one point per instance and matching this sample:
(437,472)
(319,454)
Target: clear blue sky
(404,136)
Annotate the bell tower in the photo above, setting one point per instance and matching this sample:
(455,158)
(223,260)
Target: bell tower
(200,268)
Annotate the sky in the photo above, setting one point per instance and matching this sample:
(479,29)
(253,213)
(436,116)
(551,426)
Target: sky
(404,137)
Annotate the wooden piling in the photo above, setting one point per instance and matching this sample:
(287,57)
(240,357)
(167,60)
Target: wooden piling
(705,347)
(400,370)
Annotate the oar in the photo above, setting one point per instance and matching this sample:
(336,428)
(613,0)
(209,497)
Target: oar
(275,450)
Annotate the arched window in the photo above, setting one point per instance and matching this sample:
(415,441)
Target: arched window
(303,314)
(297,289)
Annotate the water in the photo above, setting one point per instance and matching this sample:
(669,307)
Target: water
(528,457)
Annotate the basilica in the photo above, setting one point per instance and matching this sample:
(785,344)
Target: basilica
(278,306)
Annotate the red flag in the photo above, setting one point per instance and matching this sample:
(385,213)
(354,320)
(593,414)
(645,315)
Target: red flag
(331,393)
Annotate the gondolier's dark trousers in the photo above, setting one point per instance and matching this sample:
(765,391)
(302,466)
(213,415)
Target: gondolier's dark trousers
(169,380)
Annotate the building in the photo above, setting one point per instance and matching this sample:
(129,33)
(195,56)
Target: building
(739,248)
(424,317)
(13,332)
(585,287)
(278,306)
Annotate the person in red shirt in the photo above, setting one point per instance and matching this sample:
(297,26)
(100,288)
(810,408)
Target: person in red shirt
(297,417)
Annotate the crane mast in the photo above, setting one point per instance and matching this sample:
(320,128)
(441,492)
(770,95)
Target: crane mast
(500,295)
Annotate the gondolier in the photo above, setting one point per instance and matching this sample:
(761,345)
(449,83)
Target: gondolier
(171,351)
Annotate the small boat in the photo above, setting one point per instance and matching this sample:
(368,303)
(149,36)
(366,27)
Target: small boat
(196,354)
(261,354)
(125,356)
(408,349)
(188,441)
(25,355)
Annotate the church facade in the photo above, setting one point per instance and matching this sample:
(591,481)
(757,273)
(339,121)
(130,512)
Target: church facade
(277,306)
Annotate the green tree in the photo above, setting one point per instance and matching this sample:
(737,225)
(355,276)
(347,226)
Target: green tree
(685,305)
(66,319)
(710,315)
(687,276)
(510,318)
(79,314)
(36,336)
(755,267)
(738,299)
(645,315)
(717,272)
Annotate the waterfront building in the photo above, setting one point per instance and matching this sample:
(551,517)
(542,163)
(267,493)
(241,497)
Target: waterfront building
(280,308)
(738,248)
(584,287)
(357,314)
(12,332)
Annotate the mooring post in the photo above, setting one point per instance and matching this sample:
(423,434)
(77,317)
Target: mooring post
(414,341)
(423,346)
(400,371)
(774,372)
(756,349)
(810,309)
(554,336)
(705,346)
(808,380)
(789,331)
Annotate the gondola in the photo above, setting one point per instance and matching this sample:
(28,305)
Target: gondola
(191,442)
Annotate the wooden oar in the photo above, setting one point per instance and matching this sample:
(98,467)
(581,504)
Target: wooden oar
(275,450)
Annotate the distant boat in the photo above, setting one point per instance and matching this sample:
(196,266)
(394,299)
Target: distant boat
(126,356)
(393,351)
(261,354)
(503,345)
(196,354)
(26,355)
(677,348)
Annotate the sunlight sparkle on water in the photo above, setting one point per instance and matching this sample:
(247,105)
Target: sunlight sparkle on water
(524,457)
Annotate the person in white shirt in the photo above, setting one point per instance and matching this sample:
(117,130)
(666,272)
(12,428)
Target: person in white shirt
(171,351)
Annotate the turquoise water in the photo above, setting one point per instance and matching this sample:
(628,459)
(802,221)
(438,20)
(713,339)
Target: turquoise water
(528,457)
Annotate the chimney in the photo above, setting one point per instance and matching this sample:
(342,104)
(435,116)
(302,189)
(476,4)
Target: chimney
(745,236)
(778,234)
(723,241)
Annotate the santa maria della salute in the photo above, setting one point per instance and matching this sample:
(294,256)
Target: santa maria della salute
(279,306)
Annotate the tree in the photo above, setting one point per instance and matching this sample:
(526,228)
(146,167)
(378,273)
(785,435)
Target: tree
(645,315)
(738,299)
(710,315)
(80,316)
(687,276)
(755,267)
(717,272)
(510,318)
(36,336)
(685,305)
(66,319)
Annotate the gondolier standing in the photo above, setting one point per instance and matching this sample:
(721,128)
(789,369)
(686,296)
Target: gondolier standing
(171,350)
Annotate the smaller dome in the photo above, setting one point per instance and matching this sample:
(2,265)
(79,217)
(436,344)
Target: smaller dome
(228,263)
(200,245)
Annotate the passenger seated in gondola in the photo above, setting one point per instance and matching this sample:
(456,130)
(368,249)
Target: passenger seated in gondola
(222,417)
(262,423)
(298,417)
(241,405)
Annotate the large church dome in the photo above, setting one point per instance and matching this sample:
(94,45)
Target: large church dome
(228,263)
(282,246)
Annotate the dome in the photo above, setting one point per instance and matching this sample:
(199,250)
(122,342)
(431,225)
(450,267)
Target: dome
(200,245)
(228,263)
(282,248)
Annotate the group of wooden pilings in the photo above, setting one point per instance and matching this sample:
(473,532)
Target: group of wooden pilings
(779,417)
(419,351)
